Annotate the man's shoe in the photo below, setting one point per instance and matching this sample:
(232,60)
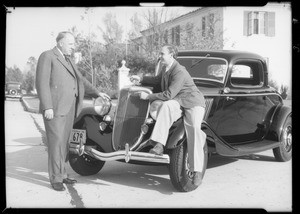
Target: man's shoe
(197,178)
(58,186)
(69,181)
(158,149)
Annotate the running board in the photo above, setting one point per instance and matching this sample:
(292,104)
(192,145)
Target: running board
(246,149)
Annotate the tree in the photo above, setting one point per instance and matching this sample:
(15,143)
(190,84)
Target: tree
(29,78)
(112,34)
(13,74)
(28,82)
(136,27)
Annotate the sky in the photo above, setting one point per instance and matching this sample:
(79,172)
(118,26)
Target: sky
(30,31)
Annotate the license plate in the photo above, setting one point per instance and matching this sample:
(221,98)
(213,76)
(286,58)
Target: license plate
(78,136)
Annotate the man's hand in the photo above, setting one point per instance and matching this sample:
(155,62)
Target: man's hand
(104,96)
(144,95)
(135,79)
(49,114)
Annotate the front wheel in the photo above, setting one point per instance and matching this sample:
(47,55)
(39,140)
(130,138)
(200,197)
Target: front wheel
(179,169)
(85,165)
(284,151)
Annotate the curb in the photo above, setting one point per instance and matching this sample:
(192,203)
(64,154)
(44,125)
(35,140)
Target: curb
(27,107)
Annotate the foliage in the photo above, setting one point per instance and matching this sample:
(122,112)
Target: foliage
(283,91)
(273,84)
(112,34)
(139,64)
(28,82)
(13,74)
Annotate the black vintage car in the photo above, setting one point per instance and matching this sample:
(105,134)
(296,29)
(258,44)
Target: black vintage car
(244,115)
(13,90)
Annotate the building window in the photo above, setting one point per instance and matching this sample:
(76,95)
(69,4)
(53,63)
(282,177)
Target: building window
(176,35)
(259,22)
(204,26)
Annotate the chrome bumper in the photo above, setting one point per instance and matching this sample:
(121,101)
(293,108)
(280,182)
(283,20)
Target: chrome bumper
(126,154)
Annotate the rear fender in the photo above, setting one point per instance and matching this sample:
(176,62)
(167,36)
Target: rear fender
(277,121)
(89,120)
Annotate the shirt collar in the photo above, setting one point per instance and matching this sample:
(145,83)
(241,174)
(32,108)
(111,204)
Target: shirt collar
(169,66)
(60,51)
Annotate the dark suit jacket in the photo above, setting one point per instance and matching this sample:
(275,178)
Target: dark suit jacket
(176,84)
(56,83)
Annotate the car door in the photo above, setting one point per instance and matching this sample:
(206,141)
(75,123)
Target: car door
(243,103)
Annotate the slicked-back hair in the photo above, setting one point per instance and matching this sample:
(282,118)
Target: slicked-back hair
(62,35)
(172,49)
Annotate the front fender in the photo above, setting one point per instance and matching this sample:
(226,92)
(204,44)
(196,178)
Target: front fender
(177,135)
(277,121)
(89,120)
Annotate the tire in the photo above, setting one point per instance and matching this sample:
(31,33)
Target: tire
(85,165)
(283,153)
(180,174)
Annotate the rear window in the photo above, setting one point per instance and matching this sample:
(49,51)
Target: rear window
(247,74)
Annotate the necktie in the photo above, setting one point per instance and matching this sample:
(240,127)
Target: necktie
(67,58)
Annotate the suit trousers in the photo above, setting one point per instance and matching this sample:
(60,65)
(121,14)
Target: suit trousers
(58,132)
(168,113)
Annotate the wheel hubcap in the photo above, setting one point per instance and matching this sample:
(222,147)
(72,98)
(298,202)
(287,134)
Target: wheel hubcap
(287,138)
(189,173)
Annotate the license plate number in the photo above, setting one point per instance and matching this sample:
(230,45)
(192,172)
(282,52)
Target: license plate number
(78,136)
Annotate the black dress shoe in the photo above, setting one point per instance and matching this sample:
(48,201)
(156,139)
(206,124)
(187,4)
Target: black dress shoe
(197,179)
(158,149)
(58,186)
(69,181)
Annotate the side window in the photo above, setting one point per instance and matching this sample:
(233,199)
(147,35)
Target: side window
(247,74)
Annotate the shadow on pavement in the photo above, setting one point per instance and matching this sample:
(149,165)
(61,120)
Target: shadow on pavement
(138,176)
(257,157)
(28,164)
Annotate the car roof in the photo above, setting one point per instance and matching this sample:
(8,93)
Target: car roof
(229,55)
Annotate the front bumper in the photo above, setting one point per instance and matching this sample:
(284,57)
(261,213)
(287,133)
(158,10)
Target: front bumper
(126,154)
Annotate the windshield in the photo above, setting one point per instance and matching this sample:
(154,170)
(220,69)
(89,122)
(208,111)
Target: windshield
(212,69)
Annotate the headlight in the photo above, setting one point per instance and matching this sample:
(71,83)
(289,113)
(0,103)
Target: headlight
(102,106)
(155,105)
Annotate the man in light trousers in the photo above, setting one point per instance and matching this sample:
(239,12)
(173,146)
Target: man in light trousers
(180,96)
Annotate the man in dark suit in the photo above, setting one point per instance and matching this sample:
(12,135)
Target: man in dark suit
(61,89)
(178,92)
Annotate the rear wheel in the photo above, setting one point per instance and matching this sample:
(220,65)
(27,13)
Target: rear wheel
(179,169)
(85,165)
(284,151)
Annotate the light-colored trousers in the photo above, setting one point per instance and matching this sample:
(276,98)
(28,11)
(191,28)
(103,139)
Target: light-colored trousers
(168,113)
(58,131)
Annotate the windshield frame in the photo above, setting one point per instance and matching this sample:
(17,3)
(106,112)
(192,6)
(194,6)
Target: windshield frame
(204,58)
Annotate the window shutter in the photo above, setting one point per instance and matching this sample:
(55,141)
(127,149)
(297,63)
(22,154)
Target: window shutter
(266,24)
(271,24)
(246,23)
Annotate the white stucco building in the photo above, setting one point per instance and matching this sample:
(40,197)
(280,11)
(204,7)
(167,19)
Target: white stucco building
(265,30)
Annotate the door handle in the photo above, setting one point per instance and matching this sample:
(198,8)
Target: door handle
(230,98)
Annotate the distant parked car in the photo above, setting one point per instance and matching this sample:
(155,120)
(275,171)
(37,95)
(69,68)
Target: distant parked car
(244,115)
(13,90)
